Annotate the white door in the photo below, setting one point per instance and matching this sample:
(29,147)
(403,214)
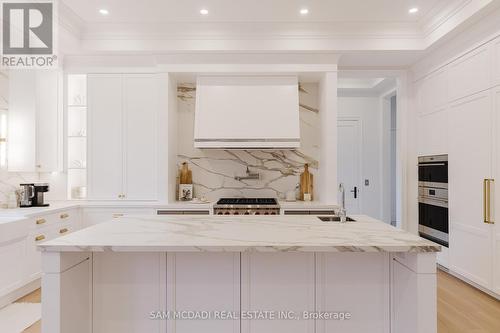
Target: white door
(349,161)
(105,151)
(140,110)
(470,160)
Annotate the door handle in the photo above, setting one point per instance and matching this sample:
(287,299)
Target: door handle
(355,191)
(487,201)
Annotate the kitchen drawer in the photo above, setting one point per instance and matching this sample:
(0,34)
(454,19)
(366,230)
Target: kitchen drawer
(71,216)
(310,212)
(92,216)
(182,212)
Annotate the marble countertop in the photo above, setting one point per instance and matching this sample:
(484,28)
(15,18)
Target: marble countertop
(239,234)
(57,206)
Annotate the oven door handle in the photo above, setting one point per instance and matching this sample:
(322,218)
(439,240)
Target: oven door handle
(431,164)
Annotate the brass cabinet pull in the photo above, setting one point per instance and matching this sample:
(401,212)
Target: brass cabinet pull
(64,230)
(41,221)
(487,201)
(116,215)
(64,216)
(39,238)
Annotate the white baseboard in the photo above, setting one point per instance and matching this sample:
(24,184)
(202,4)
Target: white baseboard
(473,284)
(20,292)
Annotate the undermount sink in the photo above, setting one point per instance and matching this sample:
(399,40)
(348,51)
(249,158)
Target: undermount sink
(334,219)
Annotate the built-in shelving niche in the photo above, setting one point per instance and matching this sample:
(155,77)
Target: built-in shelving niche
(76,132)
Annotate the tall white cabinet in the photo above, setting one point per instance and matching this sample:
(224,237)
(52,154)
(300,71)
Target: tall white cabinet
(122,136)
(459,114)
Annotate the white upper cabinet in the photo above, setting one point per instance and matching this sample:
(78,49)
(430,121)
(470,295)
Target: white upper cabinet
(432,92)
(435,127)
(496,61)
(35,121)
(140,137)
(123,136)
(105,149)
(470,73)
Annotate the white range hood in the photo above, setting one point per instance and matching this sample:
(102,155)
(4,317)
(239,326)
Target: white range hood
(250,112)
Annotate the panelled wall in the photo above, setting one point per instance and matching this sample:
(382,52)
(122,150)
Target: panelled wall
(458,107)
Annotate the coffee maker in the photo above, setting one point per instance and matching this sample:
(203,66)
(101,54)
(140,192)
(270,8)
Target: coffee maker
(32,195)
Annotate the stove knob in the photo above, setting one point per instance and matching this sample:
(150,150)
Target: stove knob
(236,213)
(226,213)
(257,213)
(266,213)
(219,213)
(247,213)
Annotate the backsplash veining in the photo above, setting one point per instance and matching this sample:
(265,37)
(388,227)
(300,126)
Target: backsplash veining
(9,181)
(214,170)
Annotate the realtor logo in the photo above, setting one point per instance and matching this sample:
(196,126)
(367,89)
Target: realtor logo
(28,34)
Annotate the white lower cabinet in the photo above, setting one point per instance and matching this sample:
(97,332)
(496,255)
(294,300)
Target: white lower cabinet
(124,296)
(194,285)
(19,258)
(369,305)
(11,253)
(278,282)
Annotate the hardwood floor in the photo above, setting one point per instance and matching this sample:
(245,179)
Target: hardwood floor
(34,297)
(464,309)
(461,308)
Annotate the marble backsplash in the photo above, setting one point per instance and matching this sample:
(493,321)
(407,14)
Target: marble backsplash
(214,171)
(9,181)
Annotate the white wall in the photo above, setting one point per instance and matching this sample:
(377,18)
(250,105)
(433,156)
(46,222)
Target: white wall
(368,110)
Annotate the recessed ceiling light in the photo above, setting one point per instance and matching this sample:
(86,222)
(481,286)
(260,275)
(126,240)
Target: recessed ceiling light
(304,11)
(413,10)
(103,11)
(204,11)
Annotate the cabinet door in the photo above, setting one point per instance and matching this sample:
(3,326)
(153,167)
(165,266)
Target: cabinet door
(203,282)
(279,282)
(127,287)
(48,122)
(496,198)
(140,111)
(12,254)
(471,73)
(105,153)
(470,151)
(22,121)
(336,274)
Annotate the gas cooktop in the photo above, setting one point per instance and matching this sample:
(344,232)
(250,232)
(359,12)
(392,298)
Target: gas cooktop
(247,201)
(247,206)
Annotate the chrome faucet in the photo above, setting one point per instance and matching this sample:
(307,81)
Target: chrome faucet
(342,212)
(342,192)
(249,175)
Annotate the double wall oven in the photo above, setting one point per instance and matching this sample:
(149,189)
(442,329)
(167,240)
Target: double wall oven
(433,218)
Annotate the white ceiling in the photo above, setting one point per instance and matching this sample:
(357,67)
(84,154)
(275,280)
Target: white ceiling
(154,11)
(365,33)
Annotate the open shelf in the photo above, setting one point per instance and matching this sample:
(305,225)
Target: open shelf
(77,136)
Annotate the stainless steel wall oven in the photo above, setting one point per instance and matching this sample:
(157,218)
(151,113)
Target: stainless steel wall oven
(433,220)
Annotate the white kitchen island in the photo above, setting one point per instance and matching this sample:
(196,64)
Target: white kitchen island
(243,274)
